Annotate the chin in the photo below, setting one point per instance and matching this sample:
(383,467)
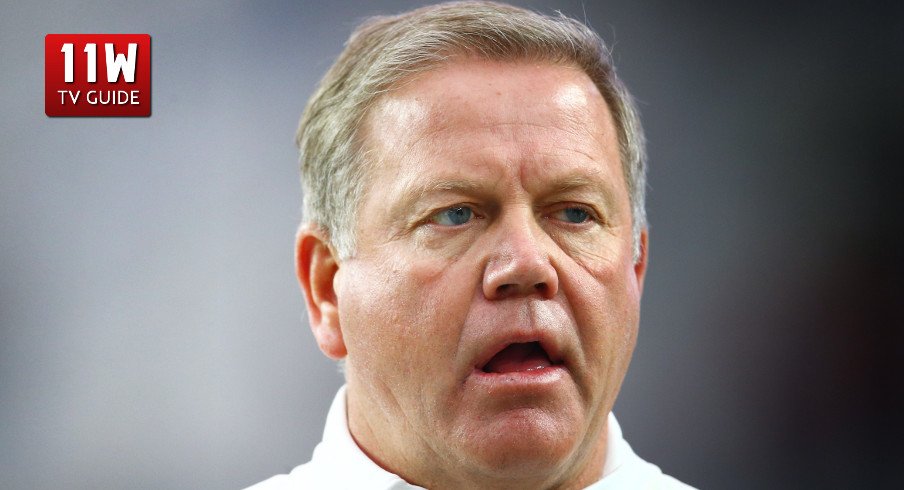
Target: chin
(524,443)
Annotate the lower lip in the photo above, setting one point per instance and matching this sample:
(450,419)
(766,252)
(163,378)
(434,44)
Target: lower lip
(519,380)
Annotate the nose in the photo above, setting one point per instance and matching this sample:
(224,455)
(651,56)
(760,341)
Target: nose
(519,264)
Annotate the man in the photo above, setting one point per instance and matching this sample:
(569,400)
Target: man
(474,250)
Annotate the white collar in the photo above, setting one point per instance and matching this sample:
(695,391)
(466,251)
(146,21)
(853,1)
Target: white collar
(344,461)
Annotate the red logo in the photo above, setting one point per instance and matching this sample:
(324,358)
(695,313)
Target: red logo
(97,75)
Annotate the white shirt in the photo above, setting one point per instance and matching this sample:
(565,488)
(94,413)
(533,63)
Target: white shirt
(338,463)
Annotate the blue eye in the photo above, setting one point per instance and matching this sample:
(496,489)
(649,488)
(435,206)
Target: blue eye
(573,215)
(453,216)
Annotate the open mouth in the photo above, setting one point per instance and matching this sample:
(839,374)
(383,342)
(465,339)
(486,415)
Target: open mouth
(519,357)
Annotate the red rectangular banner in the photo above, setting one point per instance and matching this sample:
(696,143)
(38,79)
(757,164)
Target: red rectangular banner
(97,75)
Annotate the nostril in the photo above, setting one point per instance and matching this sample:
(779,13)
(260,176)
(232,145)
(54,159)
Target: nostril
(504,290)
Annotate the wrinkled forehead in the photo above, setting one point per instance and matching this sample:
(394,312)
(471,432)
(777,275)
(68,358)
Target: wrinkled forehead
(469,127)
(454,97)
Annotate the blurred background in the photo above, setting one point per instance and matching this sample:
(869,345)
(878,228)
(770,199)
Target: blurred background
(151,330)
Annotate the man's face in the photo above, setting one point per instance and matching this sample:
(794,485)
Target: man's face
(491,309)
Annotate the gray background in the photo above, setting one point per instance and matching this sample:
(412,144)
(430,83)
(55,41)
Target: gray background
(152,333)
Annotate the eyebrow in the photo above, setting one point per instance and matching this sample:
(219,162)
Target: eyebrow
(579,183)
(446,185)
(414,192)
(601,188)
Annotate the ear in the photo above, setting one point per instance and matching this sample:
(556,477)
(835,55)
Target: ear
(640,267)
(316,266)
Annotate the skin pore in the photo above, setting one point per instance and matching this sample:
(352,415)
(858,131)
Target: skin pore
(496,215)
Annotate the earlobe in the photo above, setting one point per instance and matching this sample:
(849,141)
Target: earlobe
(316,267)
(640,266)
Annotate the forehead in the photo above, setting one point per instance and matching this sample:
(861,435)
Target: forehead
(477,114)
(463,89)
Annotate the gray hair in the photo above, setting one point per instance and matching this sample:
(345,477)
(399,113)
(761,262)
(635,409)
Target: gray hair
(383,52)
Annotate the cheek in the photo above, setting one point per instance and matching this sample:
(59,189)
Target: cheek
(401,317)
(597,249)
(603,293)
